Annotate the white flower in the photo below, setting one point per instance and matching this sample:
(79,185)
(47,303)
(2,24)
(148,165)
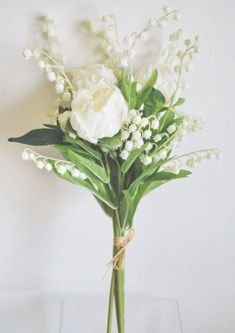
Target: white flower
(85,78)
(124,135)
(144,122)
(136,135)
(48,167)
(146,160)
(40,165)
(155,124)
(129,146)
(157,138)
(171,129)
(98,112)
(149,146)
(25,156)
(137,120)
(147,134)
(51,76)
(27,53)
(139,143)
(124,154)
(132,128)
(59,88)
(132,113)
(152,22)
(41,64)
(61,169)
(75,173)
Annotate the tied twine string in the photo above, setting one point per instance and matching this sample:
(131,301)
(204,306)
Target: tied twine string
(121,242)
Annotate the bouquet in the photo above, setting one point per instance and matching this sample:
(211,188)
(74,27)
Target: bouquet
(117,126)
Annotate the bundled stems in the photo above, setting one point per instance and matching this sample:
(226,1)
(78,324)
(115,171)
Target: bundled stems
(117,289)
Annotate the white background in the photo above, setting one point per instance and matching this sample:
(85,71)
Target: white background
(54,237)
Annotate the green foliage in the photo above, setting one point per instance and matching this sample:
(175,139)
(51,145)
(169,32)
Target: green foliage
(145,92)
(179,102)
(128,90)
(154,103)
(85,145)
(131,159)
(41,137)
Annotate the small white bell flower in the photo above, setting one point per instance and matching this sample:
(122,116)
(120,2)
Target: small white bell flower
(48,167)
(75,173)
(59,88)
(143,36)
(138,144)
(147,134)
(129,145)
(41,64)
(149,146)
(124,135)
(124,154)
(144,122)
(137,120)
(157,138)
(171,129)
(155,124)
(147,160)
(40,165)
(25,156)
(136,135)
(132,128)
(51,76)
(62,169)
(27,53)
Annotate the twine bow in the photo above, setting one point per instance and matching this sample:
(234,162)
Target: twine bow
(121,242)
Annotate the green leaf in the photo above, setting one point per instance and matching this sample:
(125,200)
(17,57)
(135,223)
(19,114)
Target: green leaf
(126,210)
(99,171)
(128,90)
(144,93)
(131,159)
(85,145)
(41,137)
(155,102)
(166,120)
(163,177)
(147,171)
(180,101)
(98,194)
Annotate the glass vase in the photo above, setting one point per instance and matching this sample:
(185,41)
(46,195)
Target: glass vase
(143,315)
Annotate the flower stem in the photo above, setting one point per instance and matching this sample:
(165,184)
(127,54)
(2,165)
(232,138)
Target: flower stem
(111,303)
(119,300)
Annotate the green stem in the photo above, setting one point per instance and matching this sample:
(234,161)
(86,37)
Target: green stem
(119,299)
(111,303)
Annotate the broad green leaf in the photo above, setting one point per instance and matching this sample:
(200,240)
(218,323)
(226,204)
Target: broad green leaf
(126,210)
(147,171)
(99,171)
(107,210)
(128,90)
(131,158)
(154,103)
(85,145)
(98,194)
(167,119)
(144,93)
(41,137)
(163,177)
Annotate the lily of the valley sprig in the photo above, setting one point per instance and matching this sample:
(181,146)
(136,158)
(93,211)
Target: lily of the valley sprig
(117,127)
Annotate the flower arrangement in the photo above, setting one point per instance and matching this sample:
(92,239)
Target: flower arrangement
(117,127)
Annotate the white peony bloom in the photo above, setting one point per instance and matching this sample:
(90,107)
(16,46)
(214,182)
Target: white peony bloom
(85,78)
(98,112)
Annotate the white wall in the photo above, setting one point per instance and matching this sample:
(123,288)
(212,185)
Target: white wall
(53,235)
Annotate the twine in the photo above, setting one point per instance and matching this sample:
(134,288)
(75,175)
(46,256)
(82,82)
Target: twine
(121,242)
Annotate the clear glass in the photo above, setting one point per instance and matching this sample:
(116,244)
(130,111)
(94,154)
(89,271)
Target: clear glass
(143,314)
(35,312)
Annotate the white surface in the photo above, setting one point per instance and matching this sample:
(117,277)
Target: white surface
(54,236)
